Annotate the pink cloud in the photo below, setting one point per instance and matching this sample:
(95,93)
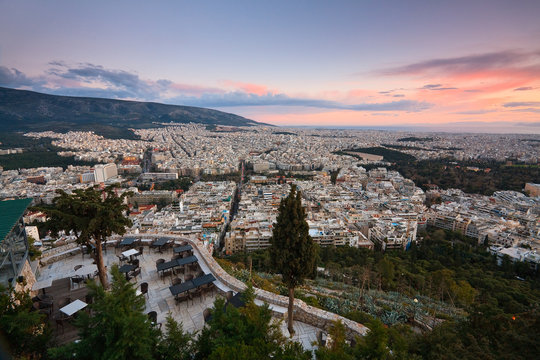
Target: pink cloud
(249,88)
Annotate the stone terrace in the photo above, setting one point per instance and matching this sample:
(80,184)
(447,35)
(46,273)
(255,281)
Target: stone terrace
(61,265)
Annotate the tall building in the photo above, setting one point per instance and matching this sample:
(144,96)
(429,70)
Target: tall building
(104,172)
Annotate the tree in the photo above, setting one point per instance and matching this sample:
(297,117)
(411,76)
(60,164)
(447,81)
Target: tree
(174,344)
(115,328)
(25,330)
(245,333)
(91,215)
(293,252)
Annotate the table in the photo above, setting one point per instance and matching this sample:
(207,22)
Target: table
(167,265)
(181,249)
(237,301)
(160,242)
(73,307)
(203,280)
(127,241)
(85,271)
(126,268)
(183,287)
(130,253)
(191,284)
(189,260)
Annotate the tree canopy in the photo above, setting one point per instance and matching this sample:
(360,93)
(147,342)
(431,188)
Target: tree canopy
(293,252)
(91,215)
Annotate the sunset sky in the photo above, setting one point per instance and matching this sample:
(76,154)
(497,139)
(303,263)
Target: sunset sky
(457,65)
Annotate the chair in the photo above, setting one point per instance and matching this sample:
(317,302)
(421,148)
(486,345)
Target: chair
(77,280)
(185,254)
(121,258)
(207,313)
(60,319)
(159,261)
(197,292)
(176,257)
(176,281)
(228,295)
(77,267)
(144,289)
(134,273)
(188,277)
(135,262)
(183,297)
(152,315)
(208,288)
(141,251)
(194,267)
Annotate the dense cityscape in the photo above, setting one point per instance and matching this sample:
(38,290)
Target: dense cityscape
(250,180)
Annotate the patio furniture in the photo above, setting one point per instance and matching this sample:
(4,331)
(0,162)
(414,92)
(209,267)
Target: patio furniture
(183,249)
(73,307)
(133,274)
(130,253)
(176,281)
(188,277)
(126,268)
(77,280)
(77,267)
(207,315)
(159,243)
(237,300)
(135,262)
(127,241)
(152,315)
(196,293)
(144,289)
(140,253)
(182,297)
(60,319)
(228,295)
(121,258)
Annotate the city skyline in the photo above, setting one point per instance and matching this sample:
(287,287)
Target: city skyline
(454,66)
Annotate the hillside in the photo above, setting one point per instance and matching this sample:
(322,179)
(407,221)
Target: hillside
(22,110)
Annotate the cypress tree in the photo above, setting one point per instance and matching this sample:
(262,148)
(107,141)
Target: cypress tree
(293,252)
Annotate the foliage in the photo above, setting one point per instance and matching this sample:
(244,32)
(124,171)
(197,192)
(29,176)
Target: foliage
(24,330)
(245,333)
(33,251)
(92,216)
(447,174)
(292,252)
(174,344)
(116,326)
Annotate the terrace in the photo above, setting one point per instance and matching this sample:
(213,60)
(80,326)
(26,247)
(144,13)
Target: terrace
(56,279)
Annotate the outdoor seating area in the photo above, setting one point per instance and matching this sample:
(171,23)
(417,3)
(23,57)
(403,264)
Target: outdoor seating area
(168,274)
(137,261)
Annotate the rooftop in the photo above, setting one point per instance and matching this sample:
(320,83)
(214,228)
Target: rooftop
(10,212)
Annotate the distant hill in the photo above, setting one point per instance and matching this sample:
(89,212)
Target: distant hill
(22,110)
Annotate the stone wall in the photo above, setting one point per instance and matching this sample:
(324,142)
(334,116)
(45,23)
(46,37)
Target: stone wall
(29,278)
(302,312)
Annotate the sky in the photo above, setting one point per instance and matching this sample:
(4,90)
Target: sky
(451,65)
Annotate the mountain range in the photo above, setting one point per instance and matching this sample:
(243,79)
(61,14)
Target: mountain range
(22,110)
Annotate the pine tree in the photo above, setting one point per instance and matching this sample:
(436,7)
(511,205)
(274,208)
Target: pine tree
(293,252)
(91,215)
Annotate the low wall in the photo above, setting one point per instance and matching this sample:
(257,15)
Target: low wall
(302,312)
